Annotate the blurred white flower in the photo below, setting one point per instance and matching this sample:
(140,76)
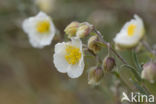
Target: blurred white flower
(40,30)
(45,5)
(68,58)
(131,33)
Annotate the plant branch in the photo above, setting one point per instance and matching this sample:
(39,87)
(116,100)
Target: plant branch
(122,81)
(147,46)
(109,46)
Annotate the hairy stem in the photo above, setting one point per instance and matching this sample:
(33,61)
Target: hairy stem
(109,46)
(147,46)
(122,81)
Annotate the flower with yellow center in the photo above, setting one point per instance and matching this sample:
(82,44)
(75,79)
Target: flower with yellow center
(73,54)
(43,26)
(68,58)
(131,29)
(40,30)
(131,33)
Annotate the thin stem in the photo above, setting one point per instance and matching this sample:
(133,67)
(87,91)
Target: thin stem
(122,59)
(92,53)
(133,70)
(122,81)
(147,46)
(137,64)
(109,52)
(109,46)
(87,49)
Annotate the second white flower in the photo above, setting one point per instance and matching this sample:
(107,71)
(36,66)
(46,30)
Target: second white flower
(131,33)
(68,58)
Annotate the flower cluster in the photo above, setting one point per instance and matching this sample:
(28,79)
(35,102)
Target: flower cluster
(78,30)
(69,56)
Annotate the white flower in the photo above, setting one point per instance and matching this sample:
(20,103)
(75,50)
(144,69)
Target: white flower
(131,33)
(68,58)
(40,30)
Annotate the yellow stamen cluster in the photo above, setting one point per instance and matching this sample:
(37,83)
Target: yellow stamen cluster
(73,54)
(131,29)
(43,26)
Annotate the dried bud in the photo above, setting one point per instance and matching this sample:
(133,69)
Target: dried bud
(95,75)
(149,72)
(92,44)
(71,29)
(108,64)
(84,29)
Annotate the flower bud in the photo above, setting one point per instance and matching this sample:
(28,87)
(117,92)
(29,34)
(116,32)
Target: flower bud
(46,5)
(108,64)
(95,75)
(92,44)
(149,72)
(71,29)
(84,30)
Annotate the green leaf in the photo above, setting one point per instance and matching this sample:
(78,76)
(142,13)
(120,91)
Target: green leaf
(122,81)
(92,33)
(101,44)
(137,64)
(133,70)
(140,88)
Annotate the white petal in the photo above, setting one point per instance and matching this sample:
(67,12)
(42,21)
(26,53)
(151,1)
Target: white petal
(35,43)
(28,26)
(76,71)
(41,15)
(76,42)
(59,60)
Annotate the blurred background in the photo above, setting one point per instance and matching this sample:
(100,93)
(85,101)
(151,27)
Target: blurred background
(28,76)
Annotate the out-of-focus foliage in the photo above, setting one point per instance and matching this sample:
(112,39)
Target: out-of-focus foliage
(28,76)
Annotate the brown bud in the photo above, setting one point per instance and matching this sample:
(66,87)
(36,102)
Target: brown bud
(71,29)
(149,72)
(108,64)
(84,29)
(95,75)
(92,44)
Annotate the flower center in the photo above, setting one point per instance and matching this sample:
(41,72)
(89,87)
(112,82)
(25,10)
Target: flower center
(43,26)
(131,29)
(73,54)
